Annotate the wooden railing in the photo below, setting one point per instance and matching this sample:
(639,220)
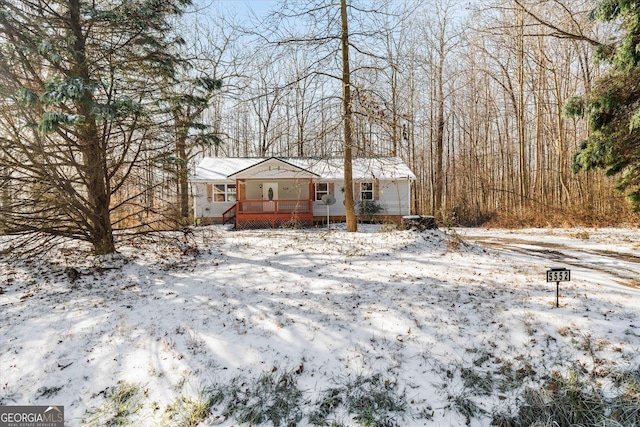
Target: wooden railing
(229,214)
(273,206)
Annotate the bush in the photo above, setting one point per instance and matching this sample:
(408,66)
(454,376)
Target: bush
(368,209)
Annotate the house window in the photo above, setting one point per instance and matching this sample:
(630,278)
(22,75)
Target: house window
(322,189)
(366,191)
(221,193)
(231,192)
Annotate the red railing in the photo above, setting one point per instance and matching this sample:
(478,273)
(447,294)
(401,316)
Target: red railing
(229,214)
(273,206)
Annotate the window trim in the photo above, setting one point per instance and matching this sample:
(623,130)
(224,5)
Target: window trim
(234,193)
(229,192)
(371,191)
(319,193)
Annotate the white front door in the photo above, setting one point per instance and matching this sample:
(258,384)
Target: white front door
(269,194)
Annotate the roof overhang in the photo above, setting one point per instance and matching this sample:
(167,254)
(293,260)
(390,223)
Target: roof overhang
(228,169)
(273,168)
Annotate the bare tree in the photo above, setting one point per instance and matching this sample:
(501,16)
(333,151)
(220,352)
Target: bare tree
(478,113)
(328,34)
(352,223)
(267,100)
(442,35)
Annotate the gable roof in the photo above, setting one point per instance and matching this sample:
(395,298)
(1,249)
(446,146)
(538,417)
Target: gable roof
(385,168)
(289,168)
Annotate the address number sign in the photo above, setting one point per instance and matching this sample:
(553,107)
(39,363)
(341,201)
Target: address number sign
(558,275)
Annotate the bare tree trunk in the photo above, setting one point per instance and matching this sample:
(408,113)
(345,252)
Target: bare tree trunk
(5,179)
(352,223)
(520,113)
(537,181)
(183,177)
(439,139)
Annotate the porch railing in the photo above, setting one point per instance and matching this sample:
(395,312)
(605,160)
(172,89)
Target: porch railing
(229,214)
(273,206)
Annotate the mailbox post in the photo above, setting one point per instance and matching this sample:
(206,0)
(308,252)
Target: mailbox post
(558,275)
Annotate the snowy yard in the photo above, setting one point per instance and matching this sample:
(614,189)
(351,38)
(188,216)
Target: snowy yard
(455,322)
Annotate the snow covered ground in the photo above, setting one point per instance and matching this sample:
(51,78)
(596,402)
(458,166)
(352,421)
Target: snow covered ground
(174,317)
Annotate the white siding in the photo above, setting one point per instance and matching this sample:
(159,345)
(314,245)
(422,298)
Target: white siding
(394,198)
(337,209)
(204,209)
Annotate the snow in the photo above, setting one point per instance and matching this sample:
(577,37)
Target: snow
(177,314)
(386,168)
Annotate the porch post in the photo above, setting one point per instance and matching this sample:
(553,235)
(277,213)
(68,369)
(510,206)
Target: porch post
(312,196)
(238,196)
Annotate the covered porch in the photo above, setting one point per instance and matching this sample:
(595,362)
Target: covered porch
(268,200)
(272,204)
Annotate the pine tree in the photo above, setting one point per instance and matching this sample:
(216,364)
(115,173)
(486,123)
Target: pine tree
(79,82)
(186,103)
(613,106)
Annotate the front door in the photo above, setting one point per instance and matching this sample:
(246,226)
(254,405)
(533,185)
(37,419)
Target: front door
(270,195)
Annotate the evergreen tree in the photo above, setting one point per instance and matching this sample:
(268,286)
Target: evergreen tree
(186,103)
(613,106)
(79,82)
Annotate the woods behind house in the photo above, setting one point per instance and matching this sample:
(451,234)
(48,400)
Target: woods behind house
(106,107)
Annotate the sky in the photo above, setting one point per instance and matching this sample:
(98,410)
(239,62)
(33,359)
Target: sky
(244,9)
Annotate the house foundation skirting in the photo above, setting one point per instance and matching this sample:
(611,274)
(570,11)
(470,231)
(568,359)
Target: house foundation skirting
(257,223)
(273,223)
(377,219)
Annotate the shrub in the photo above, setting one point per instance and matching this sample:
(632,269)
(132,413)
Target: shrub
(368,209)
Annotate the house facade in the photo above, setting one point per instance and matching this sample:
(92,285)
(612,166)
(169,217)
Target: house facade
(278,191)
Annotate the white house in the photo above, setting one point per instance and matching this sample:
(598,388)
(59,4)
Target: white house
(275,191)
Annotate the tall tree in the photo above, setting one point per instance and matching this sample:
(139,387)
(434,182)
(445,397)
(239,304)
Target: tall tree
(267,93)
(193,98)
(189,132)
(523,172)
(78,80)
(352,223)
(443,37)
(328,35)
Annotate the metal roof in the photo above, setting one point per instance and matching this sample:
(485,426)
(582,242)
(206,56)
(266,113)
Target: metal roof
(385,168)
